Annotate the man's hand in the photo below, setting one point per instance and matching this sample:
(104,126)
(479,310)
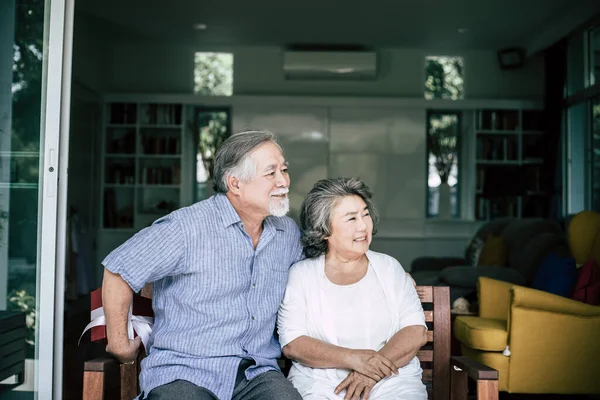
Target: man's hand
(125,352)
(356,384)
(372,364)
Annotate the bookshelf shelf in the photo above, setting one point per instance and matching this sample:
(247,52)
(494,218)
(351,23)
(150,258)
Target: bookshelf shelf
(141,163)
(509,163)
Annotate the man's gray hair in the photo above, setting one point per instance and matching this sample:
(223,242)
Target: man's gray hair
(315,213)
(233,157)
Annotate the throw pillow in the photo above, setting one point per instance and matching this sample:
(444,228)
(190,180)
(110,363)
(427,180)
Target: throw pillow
(556,275)
(587,285)
(493,252)
(474,251)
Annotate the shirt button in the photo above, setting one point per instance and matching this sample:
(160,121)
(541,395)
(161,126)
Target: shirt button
(254,286)
(253,318)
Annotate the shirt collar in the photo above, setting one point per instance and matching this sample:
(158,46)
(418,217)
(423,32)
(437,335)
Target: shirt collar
(229,216)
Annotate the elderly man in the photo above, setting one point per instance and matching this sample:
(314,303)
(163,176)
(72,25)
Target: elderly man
(219,269)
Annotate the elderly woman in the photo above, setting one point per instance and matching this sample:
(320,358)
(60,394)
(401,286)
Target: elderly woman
(351,319)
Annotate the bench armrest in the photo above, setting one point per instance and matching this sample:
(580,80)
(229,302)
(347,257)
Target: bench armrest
(474,369)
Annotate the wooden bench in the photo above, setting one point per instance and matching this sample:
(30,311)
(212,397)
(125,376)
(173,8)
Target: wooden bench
(446,377)
(13,331)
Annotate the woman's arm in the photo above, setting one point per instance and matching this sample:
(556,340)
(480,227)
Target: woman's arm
(318,354)
(297,344)
(412,331)
(404,345)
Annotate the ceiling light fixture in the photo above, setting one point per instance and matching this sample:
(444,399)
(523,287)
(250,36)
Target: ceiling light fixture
(200,27)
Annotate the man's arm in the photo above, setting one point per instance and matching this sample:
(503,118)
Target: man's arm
(404,345)
(116,300)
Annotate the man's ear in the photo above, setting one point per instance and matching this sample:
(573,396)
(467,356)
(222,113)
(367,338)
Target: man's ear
(233,184)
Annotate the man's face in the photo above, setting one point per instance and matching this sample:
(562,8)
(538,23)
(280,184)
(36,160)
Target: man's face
(267,191)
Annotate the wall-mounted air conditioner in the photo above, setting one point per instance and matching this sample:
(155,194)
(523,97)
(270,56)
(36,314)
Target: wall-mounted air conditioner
(351,65)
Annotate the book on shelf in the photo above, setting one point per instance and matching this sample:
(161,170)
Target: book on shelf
(161,175)
(503,120)
(161,114)
(122,113)
(161,145)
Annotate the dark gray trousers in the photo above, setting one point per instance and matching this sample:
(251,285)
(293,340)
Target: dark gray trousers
(271,385)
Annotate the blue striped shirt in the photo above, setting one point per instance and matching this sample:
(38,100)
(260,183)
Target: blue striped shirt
(215,298)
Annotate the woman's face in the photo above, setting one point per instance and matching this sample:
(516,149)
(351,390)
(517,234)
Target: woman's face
(351,227)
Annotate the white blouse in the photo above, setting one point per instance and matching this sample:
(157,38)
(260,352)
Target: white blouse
(364,315)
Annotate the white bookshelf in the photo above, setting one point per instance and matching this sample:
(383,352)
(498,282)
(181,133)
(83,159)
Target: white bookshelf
(141,171)
(508,162)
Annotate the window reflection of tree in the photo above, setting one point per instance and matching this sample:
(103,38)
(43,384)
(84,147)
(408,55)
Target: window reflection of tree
(27,71)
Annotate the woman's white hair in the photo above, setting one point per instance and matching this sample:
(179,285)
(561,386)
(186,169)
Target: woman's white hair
(315,213)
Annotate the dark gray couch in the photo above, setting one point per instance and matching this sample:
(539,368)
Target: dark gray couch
(528,240)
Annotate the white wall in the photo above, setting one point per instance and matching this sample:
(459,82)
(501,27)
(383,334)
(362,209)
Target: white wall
(160,68)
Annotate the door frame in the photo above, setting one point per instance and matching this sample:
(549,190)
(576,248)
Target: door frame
(52,197)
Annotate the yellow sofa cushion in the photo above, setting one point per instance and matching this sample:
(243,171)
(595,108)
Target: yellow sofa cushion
(493,252)
(481,333)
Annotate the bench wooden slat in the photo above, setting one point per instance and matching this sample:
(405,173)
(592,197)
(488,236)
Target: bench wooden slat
(428,316)
(425,294)
(425,355)
(427,375)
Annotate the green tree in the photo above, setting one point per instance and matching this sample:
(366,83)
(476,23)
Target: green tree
(212,131)
(444,78)
(213,74)
(442,141)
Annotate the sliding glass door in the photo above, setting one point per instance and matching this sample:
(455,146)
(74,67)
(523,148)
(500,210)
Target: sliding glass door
(32,97)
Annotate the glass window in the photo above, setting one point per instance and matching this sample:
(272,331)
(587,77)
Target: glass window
(211,127)
(442,157)
(213,74)
(596,154)
(444,78)
(594,56)
(575,65)
(23,52)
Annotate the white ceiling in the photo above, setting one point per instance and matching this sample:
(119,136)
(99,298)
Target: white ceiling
(491,24)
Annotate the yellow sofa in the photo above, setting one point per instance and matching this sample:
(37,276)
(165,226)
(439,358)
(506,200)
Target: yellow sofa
(537,341)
